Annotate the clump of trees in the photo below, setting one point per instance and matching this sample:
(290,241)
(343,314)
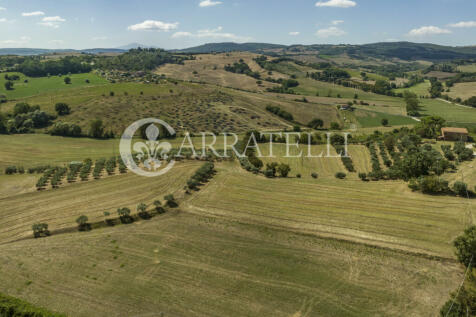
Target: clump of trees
(463,302)
(412,103)
(34,66)
(66,129)
(25,118)
(242,68)
(286,86)
(273,169)
(201,176)
(279,112)
(62,109)
(316,123)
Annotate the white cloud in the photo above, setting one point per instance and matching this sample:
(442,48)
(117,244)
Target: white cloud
(52,22)
(53,19)
(330,32)
(294,33)
(2,8)
(465,24)
(32,14)
(337,4)
(151,25)
(22,41)
(56,41)
(428,30)
(99,38)
(209,3)
(337,22)
(3,20)
(212,33)
(181,34)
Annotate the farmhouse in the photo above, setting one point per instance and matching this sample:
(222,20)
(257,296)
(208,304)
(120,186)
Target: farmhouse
(454,134)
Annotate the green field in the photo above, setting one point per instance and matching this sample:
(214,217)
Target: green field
(452,113)
(367,119)
(419,89)
(42,85)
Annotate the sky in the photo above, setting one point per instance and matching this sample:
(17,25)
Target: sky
(170,24)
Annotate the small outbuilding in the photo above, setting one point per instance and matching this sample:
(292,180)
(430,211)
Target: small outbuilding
(454,134)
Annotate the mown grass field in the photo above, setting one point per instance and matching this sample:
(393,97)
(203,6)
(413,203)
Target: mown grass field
(324,166)
(41,85)
(463,90)
(241,238)
(194,265)
(372,212)
(60,207)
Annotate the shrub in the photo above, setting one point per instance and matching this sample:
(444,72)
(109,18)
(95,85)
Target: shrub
(340,175)
(363,176)
(83,224)
(142,211)
(10,306)
(170,201)
(9,170)
(466,246)
(125,215)
(298,175)
(335,126)
(283,170)
(40,230)
(314,175)
(62,109)
(460,189)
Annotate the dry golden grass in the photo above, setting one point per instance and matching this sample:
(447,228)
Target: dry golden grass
(463,90)
(210,69)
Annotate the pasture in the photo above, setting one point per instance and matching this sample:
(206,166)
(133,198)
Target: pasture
(420,89)
(41,85)
(453,114)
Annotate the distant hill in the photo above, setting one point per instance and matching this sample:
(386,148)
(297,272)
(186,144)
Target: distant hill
(230,46)
(40,51)
(134,45)
(401,50)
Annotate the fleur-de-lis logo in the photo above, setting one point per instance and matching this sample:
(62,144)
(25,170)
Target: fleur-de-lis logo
(151,151)
(152,154)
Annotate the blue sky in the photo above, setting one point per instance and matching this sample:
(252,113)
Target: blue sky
(179,23)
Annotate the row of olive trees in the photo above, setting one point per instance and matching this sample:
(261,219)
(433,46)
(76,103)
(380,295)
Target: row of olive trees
(41,229)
